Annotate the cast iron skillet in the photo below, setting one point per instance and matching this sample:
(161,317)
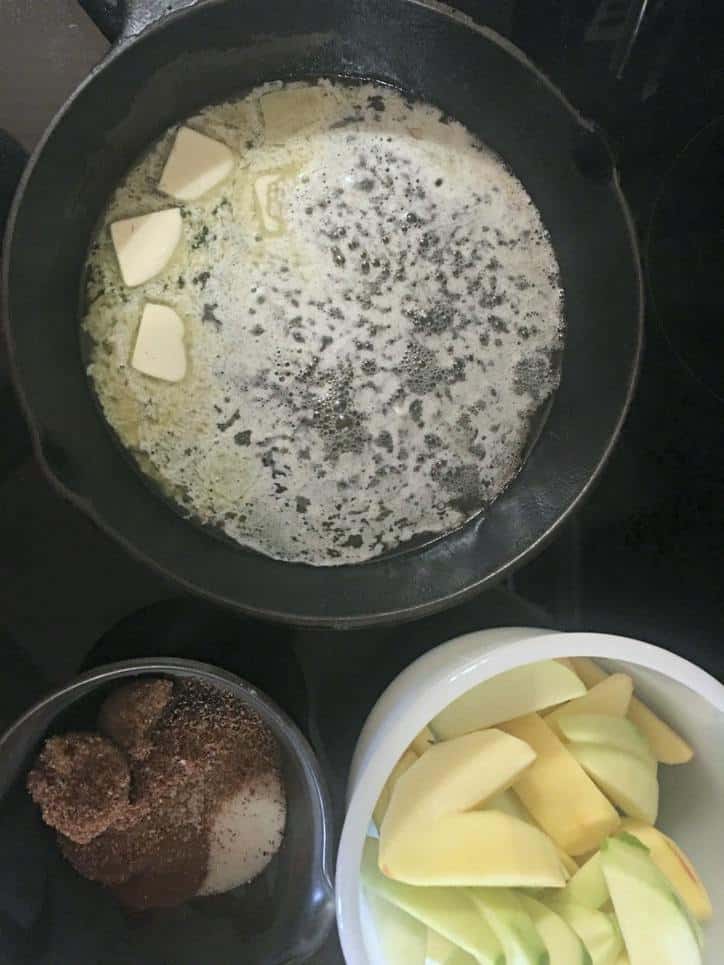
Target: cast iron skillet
(205,53)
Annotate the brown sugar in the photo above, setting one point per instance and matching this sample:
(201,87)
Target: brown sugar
(129,714)
(191,749)
(81,782)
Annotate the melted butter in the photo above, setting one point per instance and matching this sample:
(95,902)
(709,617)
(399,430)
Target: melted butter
(373,320)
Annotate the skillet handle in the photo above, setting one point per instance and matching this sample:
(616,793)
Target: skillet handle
(119,20)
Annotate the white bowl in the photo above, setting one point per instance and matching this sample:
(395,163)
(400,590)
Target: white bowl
(692,795)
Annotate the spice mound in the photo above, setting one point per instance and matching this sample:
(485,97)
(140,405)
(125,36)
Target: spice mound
(179,795)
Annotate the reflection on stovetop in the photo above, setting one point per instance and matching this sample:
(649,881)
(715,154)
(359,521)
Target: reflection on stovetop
(642,557)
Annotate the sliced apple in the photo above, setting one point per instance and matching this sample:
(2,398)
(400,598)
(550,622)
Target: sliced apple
(611,696)
(459,957)
(631,785)
(195,166)
(672,862)
(512,926)
(522,690)
(667,746)
(589,671)
(587,886)
(439,949)
(563,944)
(609,731)
(145,245)
(383,801)
(424,741)
(509,803)
(567,662)
(623,959)
(558,793)
(401,937)
(478,848)
(598,931)
(448,911)
(451,776)
(159,350)
(657,927)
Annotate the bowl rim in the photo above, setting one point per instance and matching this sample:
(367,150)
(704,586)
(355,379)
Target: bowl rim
(465,670)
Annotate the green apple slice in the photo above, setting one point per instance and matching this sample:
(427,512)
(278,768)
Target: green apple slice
(609,731)
(563,944)
(402,938)
(477,848)
(611,697)
(671,860)
(657,927)
(512,926)
(519,691)
(459,957)
(439,949)
(448,911)
(631,785)
(668,747)
(598,932)
(588,885)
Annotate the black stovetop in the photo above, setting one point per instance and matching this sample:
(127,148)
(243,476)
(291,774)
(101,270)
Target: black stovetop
(642,557)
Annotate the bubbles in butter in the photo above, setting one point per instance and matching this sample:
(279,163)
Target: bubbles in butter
(373,318)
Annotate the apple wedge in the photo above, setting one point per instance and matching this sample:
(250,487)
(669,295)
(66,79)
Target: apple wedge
(439,949)
(383,801)
(667,746)
(459,957)
(522,690)
(512,926)
(629,783)
(567,662)
(611,697)
(589,671)
(657,927)
(563,944)
(477,848)
(562,799)
(452,776)
(598,931)
(587,886)
(508,803)
(401,937)
(671,861)
(424,740)
(615,732)
(448,911)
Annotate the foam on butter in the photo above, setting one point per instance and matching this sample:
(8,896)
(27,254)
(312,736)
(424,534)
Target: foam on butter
(373,318)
